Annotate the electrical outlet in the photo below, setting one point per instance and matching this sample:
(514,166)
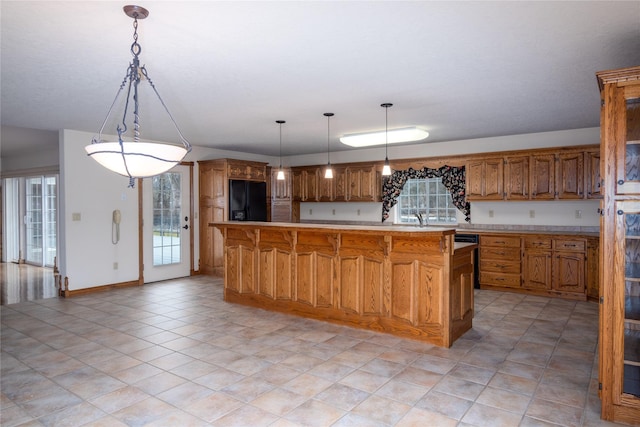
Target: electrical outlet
(310,211)
(358,212)
(491,213)
(333,211)
(532,213)
(115,265)
(578,214)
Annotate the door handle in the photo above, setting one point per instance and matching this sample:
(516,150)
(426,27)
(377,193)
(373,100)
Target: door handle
(186,226)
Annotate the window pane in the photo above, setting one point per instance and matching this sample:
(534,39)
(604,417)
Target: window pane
(427,197)
(166,218)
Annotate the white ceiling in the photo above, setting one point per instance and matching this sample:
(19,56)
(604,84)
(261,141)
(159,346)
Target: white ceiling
(228,70)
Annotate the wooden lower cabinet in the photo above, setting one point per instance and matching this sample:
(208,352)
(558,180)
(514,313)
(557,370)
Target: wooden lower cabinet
(550,265)
(536,263)
(410,284)
(500,261)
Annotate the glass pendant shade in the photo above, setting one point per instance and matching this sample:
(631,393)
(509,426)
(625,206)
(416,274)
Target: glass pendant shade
(328,172)
(136,159)
(386,169)
(129,156)
(280,174)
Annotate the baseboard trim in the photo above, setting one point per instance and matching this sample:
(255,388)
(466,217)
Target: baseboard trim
(72,293)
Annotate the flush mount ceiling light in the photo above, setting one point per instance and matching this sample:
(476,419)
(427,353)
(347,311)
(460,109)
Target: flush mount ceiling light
(130,156)
(328,172)
(280,175)
(394,136)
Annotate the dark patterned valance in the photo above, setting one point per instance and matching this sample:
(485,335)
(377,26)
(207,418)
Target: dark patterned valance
(453,178)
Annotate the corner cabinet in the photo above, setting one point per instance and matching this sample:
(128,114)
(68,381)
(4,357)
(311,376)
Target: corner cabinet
(213,184)
(619,369)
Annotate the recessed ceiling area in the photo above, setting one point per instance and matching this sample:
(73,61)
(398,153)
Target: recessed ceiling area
(228,70)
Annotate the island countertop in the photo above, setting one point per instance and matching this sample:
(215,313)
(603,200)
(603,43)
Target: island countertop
(346,227)
(405,280)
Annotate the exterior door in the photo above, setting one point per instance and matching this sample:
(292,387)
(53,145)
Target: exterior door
(167,227)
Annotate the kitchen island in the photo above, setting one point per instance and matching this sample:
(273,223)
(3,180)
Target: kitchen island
(408,281)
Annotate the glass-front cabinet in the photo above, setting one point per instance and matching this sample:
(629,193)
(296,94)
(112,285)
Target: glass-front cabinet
(628,155)
(629,229)
(619,369)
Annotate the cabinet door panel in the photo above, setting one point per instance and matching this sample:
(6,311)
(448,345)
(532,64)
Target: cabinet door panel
(312,185)
(537,270)
(568,272)
(475,171)
(297,189)
(493,179)
(542,176)
(516,178)
(570,176)
(592,175)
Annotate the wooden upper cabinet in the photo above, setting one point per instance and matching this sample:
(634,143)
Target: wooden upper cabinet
(570,175)
(305,184)
(297,190)
(241,169)
(516,178)
(311,179)
(485,179)
(281,189)
(340,184)
(593,181)
(362,183)
(542,176)
(326,187)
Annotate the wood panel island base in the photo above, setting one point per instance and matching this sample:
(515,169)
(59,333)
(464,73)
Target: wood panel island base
(407,281)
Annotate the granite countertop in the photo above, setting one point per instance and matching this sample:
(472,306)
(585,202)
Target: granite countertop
(551,231)
(353,227)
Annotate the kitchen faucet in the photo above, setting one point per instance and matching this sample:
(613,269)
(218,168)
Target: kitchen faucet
(420,218)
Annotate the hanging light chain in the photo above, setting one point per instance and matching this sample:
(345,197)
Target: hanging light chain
(328,116)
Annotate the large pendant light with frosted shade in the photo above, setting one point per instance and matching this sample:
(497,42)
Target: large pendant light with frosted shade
(328,172)
(280,175)
(386,169)
(129,156)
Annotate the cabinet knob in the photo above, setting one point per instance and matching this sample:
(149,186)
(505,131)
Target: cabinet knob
(620,181)
(620,212)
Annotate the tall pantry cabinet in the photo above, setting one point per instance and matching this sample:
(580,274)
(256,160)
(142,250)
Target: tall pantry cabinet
(619,370)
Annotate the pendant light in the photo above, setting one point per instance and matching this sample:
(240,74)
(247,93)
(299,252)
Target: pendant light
(280,176)
(328,173)
(386,169)
(128,156)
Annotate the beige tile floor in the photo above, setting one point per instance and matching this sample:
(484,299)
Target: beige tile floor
(175,354)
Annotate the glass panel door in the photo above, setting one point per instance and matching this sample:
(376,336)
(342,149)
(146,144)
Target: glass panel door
(167,241)
(50,219)
(40,220)
(33,221)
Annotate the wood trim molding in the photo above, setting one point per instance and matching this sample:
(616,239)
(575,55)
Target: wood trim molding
(72,293)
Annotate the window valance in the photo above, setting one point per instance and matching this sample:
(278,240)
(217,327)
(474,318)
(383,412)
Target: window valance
(453,178)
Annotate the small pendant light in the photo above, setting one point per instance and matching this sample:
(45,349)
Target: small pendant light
(280,176)
(386,169)
(328,173)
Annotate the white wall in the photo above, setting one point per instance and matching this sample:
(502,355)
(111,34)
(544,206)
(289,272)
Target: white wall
(552,213)
(92,192)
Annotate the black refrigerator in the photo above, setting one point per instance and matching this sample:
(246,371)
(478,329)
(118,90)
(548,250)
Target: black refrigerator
(247,200)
